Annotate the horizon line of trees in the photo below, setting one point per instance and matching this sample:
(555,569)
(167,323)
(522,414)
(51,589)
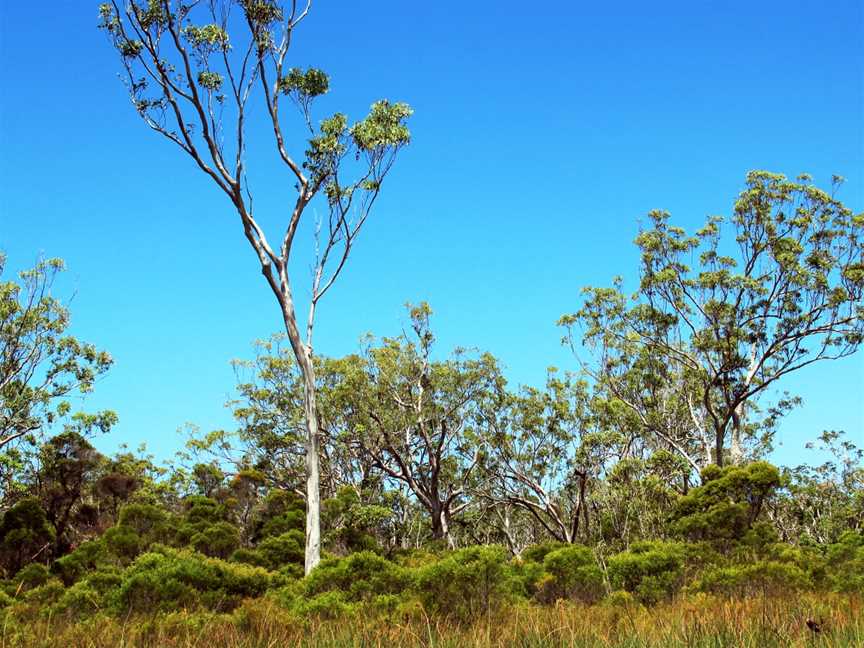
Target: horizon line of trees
(418,448)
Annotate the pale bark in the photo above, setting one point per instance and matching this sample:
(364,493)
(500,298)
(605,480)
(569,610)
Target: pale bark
(165,68)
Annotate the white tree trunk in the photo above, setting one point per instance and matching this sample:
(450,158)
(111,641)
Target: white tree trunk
(313,475)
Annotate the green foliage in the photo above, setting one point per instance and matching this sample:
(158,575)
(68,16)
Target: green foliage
(207,38)
(467,584)
(217,541)
(83,560)
(312,83)
(383,127)
(166,579)
(32,576)
(728,328)
(352,523)
(89,595)
(846,563)
(284,549)
(537,553)
(41,367)
(759,577)
(727,504)
(359,577)
(570,573)
(25,534)
(210,80)
(651,571)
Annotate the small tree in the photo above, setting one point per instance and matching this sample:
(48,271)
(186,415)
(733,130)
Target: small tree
(785,294)
(41,365)
(191,69)
(422,421)
(538,459)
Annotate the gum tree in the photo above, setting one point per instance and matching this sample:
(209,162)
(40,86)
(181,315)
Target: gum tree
(732,316)
(421,421)
(42,367)
(194,69)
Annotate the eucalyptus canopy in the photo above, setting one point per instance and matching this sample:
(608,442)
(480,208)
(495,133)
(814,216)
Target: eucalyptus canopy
(193,71)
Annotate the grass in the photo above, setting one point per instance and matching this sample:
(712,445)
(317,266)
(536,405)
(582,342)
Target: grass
(694,622)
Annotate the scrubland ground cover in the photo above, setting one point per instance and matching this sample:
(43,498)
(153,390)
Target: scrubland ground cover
(690,622)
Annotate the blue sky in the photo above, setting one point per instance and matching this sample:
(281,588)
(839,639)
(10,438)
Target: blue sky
(542,134)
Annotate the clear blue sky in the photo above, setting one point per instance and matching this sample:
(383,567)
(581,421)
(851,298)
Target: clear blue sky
(542,134)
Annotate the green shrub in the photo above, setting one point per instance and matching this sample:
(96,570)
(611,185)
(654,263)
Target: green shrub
(30,577)
(46,594)
(217,540)
(359,577)
(570,573)
(845,563)
(652,571)
(287,548)
(167,578)
(468,583)
(150,522)
(282,512)
(124,543)
(139,527)
(529,575)
(5,599)
(327,605)
(74,566)
(249,557)
(24,532)
(762,577)
(536,553)
(89,595)
(727,503)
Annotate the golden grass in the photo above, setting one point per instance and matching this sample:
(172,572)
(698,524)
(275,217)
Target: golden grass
(694,622)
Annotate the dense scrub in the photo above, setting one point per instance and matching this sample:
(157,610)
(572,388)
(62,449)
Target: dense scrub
(199,557)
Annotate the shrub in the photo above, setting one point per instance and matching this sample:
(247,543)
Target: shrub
(727,503)
(570,573)
(30,577)
(74,566)
(24,532)
(249,557)
(359,577)
(846,563)
(123,543)
(284,549)
(45,594)
(88,595)
(282,512)
(651,571)
(168,578)
(536,553)
(138,528)
(529,575)
(468,583)
(328,605)
(765,576)
(217,541)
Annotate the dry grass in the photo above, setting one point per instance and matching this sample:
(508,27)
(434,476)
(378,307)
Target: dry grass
(696,622)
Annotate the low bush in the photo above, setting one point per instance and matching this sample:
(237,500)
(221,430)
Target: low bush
(468,583)
(762,577)
(359,577)
(845,563)
(651,571)
(570,572)
(166,579)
